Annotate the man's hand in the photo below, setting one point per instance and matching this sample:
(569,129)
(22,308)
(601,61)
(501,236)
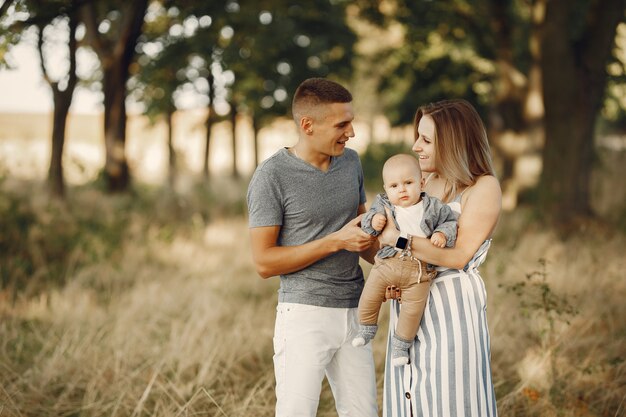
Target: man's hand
(438,239)
(378,222)
(352,238)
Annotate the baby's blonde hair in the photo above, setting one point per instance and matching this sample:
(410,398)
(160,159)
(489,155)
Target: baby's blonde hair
(401,158)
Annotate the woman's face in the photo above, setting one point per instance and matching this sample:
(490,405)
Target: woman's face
(424,146)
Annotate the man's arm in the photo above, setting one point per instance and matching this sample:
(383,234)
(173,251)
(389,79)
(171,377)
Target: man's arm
(271,259)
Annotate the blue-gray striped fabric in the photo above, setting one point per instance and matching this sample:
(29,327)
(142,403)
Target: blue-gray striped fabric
(449,373)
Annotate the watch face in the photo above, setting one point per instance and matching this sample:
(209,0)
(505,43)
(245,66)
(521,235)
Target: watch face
(401,243)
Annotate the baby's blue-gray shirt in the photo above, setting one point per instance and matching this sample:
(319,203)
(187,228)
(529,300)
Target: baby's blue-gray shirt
(438,217)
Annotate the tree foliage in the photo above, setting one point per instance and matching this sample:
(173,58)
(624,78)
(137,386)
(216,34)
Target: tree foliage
(448,49)
(246,56)
(23,15)
(512,59)
(577,42)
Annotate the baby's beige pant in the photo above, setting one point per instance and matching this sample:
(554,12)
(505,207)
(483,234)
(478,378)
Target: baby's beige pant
(404,274)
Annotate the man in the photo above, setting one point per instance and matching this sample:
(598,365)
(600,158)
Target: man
(304,207)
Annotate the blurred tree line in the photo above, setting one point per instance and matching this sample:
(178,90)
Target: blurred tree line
(541,72)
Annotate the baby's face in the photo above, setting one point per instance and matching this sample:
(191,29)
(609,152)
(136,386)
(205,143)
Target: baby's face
(403,184)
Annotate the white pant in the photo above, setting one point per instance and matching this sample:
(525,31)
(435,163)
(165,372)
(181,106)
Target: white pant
(310,342)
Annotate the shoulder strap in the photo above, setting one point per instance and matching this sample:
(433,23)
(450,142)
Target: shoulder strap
(460,195)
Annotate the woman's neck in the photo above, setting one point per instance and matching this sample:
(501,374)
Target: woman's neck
(442,188)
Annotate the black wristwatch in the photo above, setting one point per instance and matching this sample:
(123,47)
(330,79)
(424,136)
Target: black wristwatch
(401,242)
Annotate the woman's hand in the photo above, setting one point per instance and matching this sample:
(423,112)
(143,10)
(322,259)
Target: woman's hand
(389,234)
(393,293)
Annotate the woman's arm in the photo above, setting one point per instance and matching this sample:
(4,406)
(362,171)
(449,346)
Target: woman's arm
(479,215)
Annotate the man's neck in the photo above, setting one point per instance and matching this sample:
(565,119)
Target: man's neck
(318,160)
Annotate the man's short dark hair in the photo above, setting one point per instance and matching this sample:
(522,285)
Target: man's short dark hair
(314,91)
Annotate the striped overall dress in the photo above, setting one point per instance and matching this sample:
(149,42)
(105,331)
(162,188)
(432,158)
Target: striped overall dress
(449,372)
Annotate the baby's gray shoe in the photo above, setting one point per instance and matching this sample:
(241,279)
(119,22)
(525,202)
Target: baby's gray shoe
(400,351)
(366,333)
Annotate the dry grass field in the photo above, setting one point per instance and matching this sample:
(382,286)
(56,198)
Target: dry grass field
(147,304)
(156,311)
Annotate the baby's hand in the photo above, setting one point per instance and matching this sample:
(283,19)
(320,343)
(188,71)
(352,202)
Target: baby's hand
(438,239)
(379,221)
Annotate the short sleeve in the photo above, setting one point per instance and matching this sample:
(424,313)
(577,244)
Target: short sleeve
(265,206)
(362,195)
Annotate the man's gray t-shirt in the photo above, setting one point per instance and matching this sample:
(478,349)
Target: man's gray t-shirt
(308,204)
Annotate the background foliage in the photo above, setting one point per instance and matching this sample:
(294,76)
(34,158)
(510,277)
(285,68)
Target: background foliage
(120,298)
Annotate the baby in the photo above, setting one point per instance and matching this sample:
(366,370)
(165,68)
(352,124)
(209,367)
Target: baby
(415,214)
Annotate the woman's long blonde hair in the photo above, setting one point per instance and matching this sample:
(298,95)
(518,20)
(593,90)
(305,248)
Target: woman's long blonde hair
(462,152)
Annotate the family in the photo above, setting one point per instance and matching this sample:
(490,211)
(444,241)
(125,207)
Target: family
(426,236)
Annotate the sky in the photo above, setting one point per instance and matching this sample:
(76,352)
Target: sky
(23,89)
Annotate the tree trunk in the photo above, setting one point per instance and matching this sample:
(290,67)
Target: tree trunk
(233,125)
(207,145)
(533,105)
(574,81)
(506,129)
(170,150)
(209,124)
(116,55)
(515,121)
(56,180)
(62,99)
(116,168)
(255,138)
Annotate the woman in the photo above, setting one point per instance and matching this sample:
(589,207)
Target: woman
(449,373)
